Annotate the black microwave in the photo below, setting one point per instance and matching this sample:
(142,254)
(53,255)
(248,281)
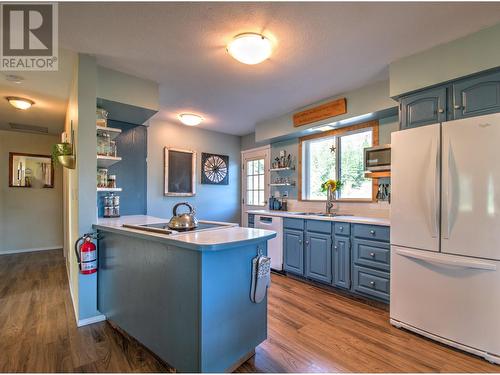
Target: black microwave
(378,158)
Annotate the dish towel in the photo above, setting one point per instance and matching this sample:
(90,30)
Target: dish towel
(261,277)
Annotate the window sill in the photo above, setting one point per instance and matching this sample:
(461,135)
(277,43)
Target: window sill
(344,200)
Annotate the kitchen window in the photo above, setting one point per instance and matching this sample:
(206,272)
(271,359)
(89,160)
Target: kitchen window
(337,154)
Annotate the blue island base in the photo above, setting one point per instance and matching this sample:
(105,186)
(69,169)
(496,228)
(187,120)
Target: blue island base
(191,308)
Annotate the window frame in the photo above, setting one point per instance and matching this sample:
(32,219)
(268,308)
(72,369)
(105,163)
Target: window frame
(374,125)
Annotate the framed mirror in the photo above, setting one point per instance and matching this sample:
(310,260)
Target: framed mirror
(180,176)
(30,170)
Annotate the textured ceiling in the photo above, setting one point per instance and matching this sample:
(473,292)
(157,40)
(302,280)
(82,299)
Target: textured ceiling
(49,91)
(322,49)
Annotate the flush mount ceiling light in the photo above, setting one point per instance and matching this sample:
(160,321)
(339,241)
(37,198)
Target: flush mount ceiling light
(190,119)
(250,48)
(20,103)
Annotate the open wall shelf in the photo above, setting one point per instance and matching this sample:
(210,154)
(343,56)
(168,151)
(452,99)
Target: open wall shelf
(107,161)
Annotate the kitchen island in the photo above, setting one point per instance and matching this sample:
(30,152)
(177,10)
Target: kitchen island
(184,296)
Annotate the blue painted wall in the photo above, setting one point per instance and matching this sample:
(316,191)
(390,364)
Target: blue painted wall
(212,202)
(131,171)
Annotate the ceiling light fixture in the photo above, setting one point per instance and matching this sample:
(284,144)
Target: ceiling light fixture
(190,119)
(250,48)
(20,103)
(14,78)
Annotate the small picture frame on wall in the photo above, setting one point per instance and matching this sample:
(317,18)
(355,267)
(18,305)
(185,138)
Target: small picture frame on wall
(214,169)
(179,170)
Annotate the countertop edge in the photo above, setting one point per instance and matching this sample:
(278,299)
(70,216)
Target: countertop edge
(344,219)
(179,243)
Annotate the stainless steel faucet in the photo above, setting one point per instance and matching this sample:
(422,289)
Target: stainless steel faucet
(329,201)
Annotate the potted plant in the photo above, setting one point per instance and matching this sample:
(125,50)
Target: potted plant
(62,153)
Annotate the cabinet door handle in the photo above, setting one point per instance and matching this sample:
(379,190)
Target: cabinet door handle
(300,242)
(441,110)
(372,255)
(307,242)
(372,283)
(457,106)
(341,228)
(372,232)
(335,247)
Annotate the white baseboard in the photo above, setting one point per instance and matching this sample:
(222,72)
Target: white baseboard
(57,247)
(73,300)
(87,321)
(91,320)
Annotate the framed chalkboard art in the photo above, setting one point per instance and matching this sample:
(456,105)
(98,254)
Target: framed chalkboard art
(214,169)
(180,176)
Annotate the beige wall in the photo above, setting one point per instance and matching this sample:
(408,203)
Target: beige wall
(461,57)
(360,103)
(29,218)
(127,89)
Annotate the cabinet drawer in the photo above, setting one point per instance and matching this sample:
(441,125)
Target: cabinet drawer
(343,229)
(319,226)
(293,223)
(371,282)
(372,232)
(372,254)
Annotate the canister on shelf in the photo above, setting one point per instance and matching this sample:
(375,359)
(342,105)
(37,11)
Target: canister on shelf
(108,211)
(112,181)
(102,177)
(112,149)
(116,211)
(116,200)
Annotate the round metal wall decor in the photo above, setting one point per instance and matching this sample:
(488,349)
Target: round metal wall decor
(214,169)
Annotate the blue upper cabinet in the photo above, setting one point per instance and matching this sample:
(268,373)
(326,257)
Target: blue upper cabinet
(319,256)
(342,262)
(423,108)
(467,97)
(476,96)
(293,251)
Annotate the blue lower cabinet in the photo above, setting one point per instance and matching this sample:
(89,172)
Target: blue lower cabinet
(342,262)
(319,256)
(371,282)
(293,251)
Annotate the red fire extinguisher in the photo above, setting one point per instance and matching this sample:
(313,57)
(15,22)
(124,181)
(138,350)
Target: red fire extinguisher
(86,254)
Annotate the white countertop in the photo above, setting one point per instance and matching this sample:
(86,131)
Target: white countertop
(345,219)
(205,239)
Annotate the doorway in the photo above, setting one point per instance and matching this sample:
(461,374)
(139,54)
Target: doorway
(255,164)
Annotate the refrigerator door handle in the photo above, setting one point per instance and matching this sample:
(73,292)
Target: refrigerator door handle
(434,186)
(448,191)
(448,260)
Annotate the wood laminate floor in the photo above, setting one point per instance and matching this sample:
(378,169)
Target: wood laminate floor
(310,330)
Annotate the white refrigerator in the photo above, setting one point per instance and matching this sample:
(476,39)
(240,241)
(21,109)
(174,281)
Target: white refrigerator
(445,233)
